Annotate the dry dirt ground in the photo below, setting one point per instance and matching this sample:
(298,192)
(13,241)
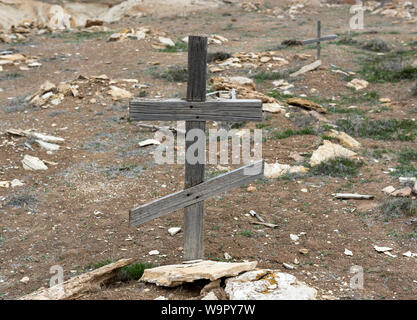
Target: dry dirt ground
(75,214)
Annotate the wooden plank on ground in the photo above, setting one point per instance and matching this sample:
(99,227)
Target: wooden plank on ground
(202,191)
(79,285)
(214,110)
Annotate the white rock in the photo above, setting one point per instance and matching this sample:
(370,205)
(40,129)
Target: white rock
(227,256)
(24,280)
(175,275)
(174,230)
(288,266)
(388,190)
(16,183)
(166,41)
(118,93)
(153,252)
(275,170)
(272,285)
(329,151)
(149,142)
(4,184)
(382,249)
(33,163)
(210,296)
(357,84)
(273,108)
(348,252)
(48,146)
(160,298)
(410,254)
(294,237)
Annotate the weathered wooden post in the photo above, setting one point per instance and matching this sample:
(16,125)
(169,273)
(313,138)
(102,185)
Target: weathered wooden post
(194,173)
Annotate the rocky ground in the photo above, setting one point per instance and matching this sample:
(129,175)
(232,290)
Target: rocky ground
(76,85)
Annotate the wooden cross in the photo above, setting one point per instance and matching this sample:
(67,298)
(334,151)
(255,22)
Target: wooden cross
(319,39)
(196,111)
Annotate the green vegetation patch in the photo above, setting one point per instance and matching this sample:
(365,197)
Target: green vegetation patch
(339,167)
(389,129)
(180,46)
(173,74)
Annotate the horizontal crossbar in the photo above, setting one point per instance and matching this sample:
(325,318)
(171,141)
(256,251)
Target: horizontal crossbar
(324,38)
(216,110)
(200,192)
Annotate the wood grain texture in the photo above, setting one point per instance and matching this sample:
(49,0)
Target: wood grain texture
(197,68)
(197,193)
(194,174)
(215,110)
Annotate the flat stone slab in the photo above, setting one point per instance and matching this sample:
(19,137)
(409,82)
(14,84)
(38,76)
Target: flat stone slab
(268,284)
(177,274)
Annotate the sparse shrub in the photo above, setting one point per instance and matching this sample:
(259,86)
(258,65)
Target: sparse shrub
(180,46)
(339,167)
(407,166)
(289,132)
(174,74)
(375,45)
(396,207)
(133,271)
(218,55)
(390,129)
(392,67)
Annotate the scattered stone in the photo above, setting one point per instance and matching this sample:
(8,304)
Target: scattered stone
(166,41)
(329,151)
(303,251)
(175,275)
(348,252)
(251,189)
(273,108)
(288,266)
(345,139)
(275,170)
(210,296)
(33,163)
(24,280)
(48,146)
(404,192)
(410,254)
(268,285)
(294,237)
(357,84)
(382,249)
(306,104)
(174,230)
(149,142)
(227,256)
(388,190)
(153,252)
(119,94)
